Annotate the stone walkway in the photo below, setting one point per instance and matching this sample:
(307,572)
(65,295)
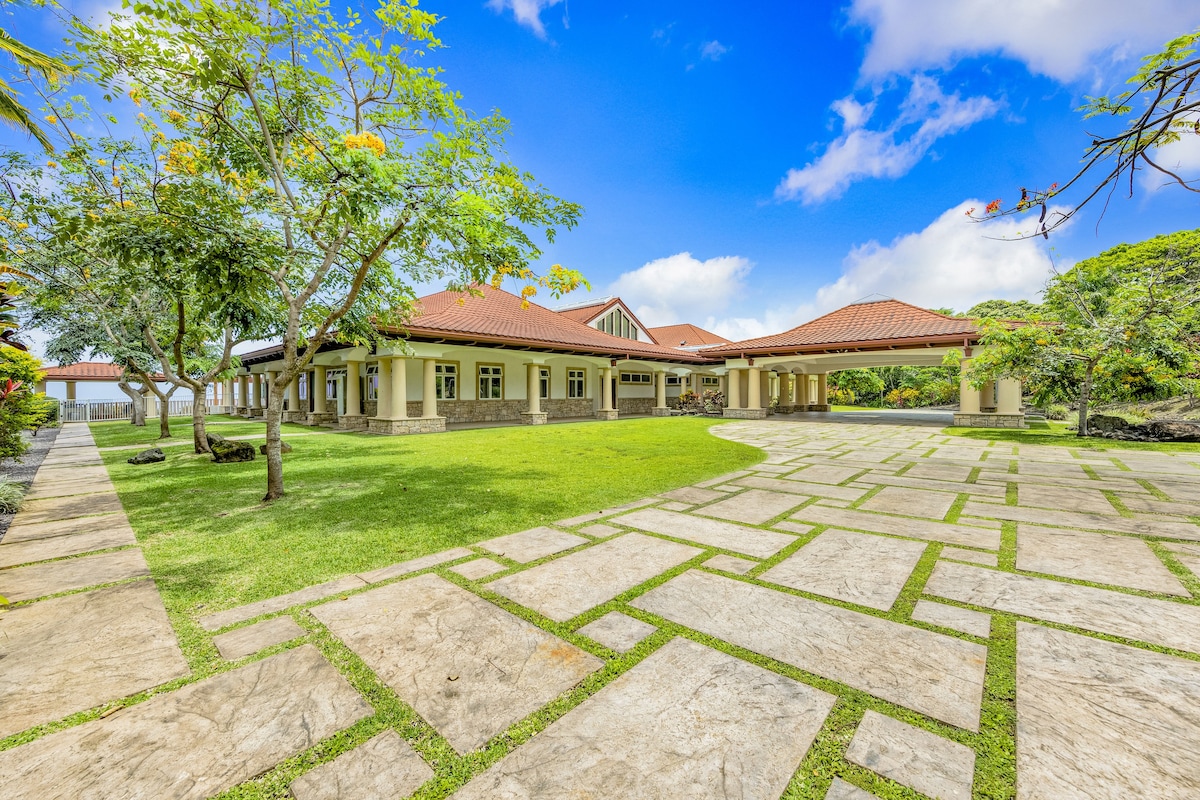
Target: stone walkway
(871,611)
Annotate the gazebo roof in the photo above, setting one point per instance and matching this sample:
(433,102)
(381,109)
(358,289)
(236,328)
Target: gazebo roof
(880,323)
(97,371)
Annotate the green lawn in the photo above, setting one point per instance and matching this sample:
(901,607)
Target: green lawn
(1056,434)
(118,434)
(356,501)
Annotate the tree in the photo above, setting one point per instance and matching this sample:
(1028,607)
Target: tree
(1003,309)
(360,168)
(861,383)
(1131,305)
(11,110)
(1163,102)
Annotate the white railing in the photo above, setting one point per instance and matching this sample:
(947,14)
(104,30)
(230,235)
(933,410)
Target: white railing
(107,410)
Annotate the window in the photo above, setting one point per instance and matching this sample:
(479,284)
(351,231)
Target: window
(445,381)
(576,381)
(372,381)
(637,377)
(302,382)
(710,380)
(673,380)
(491,382)
(543,383)
(618,323)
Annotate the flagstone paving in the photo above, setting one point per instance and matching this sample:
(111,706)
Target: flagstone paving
(688,721)
(856,567)
(620,662)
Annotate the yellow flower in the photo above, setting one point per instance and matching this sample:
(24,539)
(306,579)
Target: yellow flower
(366,140)
(116,181)
(53,120)
(101,161)
(52,164)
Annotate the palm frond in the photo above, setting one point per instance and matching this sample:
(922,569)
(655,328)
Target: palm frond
(29,58)
(17,116)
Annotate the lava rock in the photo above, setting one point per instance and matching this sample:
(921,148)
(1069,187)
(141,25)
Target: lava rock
(230,452)
(284,447)
(213,438)
(1173,430)
(1103,423)
(151,456)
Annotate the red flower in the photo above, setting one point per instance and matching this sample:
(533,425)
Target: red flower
(993,206)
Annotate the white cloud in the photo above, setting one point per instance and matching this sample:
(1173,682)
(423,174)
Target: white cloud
(1063,39)
(526,12)
(681,288)
(952,263)
(1181,157)
(713,50)
(889,152)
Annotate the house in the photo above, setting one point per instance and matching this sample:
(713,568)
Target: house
(485,358)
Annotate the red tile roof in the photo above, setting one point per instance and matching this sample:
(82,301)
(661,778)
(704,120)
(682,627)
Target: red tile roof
(86,371)
(497,317)
(589,312)
(880,322)
(685,335)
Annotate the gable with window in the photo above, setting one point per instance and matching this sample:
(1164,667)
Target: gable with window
(618,323)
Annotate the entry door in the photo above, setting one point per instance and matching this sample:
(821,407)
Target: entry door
(334,393)
(615,383)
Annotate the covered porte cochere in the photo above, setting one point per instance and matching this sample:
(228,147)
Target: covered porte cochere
(792,367)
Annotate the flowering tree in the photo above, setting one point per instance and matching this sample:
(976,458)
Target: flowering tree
(358,167)
(1161,107)
(1131,308)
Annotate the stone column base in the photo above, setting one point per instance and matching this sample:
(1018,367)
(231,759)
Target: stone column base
(353,422)
(818,407)
(745,413)
(294,416)
(241,411)
(321,418)
(252,413)
(534,418)
(989,420)
(660,412)
(402,427)
(785,409)
(607,415)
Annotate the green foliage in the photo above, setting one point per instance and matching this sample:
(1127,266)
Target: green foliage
(11,494)
(1003,309)
(1120,322)
(895,387)
(20,408)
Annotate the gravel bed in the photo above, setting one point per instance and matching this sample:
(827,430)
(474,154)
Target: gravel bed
(23,471)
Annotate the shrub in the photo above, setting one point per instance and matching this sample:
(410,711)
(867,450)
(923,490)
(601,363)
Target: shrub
(841,397)
(11,495)
(1057,411)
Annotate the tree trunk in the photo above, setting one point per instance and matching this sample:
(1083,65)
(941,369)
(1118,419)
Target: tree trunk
(274,416)
(199,410)
(1085,396)
(164,417)
(137,414)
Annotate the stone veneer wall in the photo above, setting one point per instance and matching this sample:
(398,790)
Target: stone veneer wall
(493,410)
(989,420)
(634,405)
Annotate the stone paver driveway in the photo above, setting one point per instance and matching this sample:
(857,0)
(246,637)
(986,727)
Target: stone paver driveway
(872,611)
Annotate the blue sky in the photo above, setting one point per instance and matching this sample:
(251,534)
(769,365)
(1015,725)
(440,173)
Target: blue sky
(748,166)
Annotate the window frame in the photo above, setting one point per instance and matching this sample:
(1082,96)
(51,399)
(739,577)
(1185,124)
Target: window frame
(439,380)
(371,378)
(648,382)
(479,377)
(543,383)
(582,384)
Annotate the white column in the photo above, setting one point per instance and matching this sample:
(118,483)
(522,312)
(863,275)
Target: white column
(764,380)
(400,390)
(353,394)
(383,394)
(71,390)
(802,393)
(968,395)
(294,394)
(754,389)
(533,386)
(606,403)
(660,390)
(318,389)
(1008,399)
(822,388)
(734,397)
(256,393)
(269,379)
(794,388)
(243,400)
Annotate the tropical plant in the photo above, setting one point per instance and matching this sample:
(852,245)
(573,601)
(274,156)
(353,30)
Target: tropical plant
(27,59)
(20,408)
